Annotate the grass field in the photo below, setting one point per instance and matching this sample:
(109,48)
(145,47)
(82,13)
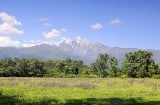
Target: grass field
(79,91)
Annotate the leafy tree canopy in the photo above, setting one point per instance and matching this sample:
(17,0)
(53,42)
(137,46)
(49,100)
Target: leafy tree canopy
(139,64)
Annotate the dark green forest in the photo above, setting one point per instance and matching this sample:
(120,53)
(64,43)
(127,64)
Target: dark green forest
(136,65)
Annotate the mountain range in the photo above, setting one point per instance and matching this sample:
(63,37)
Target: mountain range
(75,49)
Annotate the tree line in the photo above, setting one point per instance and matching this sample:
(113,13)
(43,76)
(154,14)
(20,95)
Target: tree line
(137,64)
(33,67)
(21,67)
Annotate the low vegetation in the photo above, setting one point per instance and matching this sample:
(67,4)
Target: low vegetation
(79,91)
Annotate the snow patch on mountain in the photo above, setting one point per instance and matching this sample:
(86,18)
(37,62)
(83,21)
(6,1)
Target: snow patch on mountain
(73,43)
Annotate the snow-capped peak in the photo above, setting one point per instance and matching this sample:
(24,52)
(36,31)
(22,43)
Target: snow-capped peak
(66,40)
(78,41)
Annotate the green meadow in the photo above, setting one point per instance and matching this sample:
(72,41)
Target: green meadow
(79,91)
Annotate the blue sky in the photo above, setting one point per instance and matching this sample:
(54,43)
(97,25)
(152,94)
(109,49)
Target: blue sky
(114,23)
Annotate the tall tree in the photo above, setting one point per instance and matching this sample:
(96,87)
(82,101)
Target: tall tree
(103,63)
(22,67)
(7,67)
(36,67)
(139,64)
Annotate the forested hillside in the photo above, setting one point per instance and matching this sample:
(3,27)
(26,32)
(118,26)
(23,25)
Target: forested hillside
(78,50)
(137,64)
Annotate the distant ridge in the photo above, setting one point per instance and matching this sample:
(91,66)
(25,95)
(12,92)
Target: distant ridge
(79,50)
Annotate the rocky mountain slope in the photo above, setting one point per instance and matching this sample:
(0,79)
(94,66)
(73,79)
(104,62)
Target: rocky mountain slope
(80,50)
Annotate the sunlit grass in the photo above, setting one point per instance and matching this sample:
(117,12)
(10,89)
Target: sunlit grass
(79,91)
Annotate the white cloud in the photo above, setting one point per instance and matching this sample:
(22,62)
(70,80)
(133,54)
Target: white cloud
(43,19)
(7,42)
(47,24)
(31,43)
(115,21)
(7,27)
(96,26)
(53,34)
(9,19)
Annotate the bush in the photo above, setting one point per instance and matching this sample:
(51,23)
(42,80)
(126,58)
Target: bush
(156,76)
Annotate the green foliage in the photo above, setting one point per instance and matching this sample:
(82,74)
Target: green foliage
(139,64)
(104,63)
(21,67)
(68,60)
(34,67)
(156,76)
(64,68)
